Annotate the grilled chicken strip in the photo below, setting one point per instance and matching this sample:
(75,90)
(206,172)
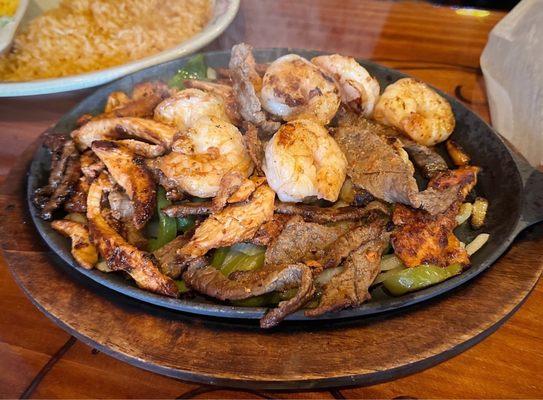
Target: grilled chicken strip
(235,223)
(143,149)
(129,171)
(422,238)
(247,83)
(83,250)
(235,188)
(120,255)
(145,97)
(124,128)
(210,281)
(350,287)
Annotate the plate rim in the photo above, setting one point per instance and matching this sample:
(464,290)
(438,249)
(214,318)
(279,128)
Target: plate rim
(234,312)
(211,31)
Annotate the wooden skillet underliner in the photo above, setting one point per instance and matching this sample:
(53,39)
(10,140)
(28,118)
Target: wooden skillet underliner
(230,353)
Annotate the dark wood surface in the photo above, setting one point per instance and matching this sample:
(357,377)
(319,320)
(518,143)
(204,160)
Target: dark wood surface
(432,43)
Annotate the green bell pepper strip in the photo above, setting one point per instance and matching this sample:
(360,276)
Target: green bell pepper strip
(182,286)
(167,226)
(195,68)
(416,278)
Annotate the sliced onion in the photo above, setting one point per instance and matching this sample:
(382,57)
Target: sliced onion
(325,276)
(477,243)
(211,74)
(390,261)
(385,275)
(464,213)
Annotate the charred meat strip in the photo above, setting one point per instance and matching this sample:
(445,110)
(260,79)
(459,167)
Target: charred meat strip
(422,238)
(83,250)
(120,255)
(59,190)
(350,287)
(145,97)
(211,282)
(129,171)
(324,215)
(77,202)
(247,84)
(186,209)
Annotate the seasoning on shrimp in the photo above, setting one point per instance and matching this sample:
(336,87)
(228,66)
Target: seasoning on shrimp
(417,110)
(302,160)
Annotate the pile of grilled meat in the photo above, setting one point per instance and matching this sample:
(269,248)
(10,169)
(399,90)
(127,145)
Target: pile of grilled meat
(110,167)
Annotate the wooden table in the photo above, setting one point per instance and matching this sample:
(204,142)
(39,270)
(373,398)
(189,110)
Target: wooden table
(436,44)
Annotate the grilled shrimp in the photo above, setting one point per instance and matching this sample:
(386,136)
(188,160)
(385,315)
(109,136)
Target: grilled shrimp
(184,108)
(302,160)
(293,88)
(202,155)
(417,110)
(358,89)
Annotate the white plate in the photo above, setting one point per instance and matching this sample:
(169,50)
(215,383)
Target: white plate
(224,12)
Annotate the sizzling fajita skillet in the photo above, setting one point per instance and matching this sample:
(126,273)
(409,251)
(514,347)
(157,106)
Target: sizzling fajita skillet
(514,189)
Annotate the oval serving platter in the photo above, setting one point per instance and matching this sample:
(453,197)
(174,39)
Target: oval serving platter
(502,181)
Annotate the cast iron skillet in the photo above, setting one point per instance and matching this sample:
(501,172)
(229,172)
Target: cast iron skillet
(514,189)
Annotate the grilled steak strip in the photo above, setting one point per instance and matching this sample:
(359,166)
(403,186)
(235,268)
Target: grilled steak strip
(246,84)
(335,253)
(429,162)
(310,213)
(211,282)
(167,259)
(255,148)
(64,189)
(300,241)
(350,287)
(324,215)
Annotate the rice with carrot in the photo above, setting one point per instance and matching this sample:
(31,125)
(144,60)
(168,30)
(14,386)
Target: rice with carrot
(88,35)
